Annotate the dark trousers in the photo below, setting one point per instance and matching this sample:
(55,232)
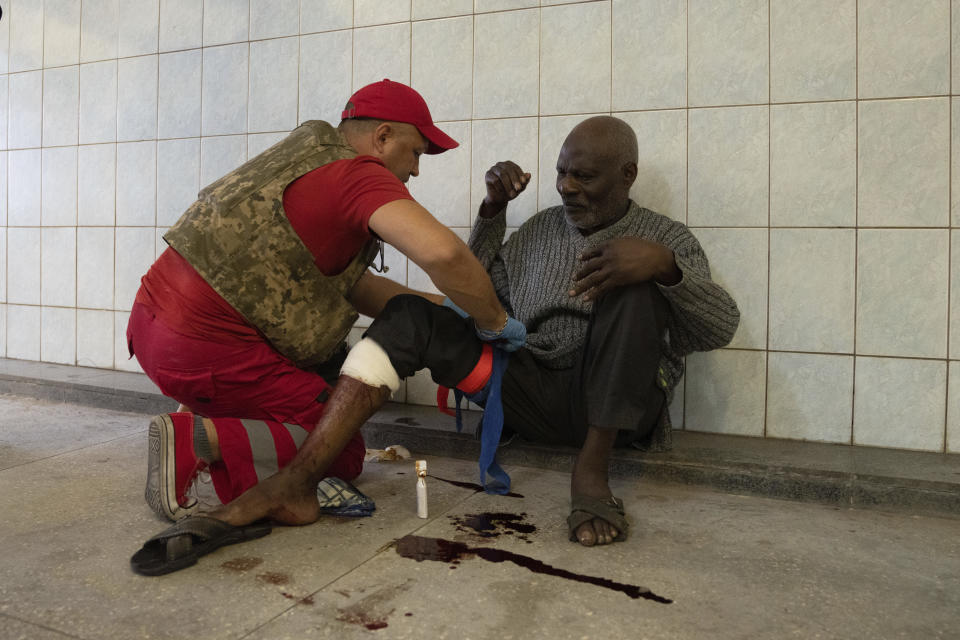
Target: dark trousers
(613,384)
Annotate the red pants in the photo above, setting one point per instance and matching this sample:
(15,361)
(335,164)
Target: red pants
(249,391)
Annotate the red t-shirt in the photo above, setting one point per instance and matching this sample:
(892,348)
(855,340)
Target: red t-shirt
(329,208)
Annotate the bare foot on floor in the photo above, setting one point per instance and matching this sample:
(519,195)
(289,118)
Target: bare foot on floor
(278,497)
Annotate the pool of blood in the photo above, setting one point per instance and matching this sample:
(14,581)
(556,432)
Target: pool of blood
(420,548)
(494,524)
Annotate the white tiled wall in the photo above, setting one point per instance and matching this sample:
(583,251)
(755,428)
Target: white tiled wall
(809,144)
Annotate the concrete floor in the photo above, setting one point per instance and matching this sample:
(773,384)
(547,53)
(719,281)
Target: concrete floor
(71,481)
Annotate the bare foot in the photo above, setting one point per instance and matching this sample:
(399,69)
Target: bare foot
(589,478)
(279,497)
(290,495)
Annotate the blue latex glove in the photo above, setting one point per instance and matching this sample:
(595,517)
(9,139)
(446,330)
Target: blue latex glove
(510,338)
(450,304)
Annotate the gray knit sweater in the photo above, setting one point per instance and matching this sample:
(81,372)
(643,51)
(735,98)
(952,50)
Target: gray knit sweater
(533,270)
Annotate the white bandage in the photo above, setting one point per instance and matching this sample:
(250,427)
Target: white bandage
(370,364)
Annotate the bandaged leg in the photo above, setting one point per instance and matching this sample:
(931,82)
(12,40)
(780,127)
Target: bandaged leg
(370,364)
(416,334)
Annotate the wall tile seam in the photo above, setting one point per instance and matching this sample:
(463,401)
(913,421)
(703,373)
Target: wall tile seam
(830,228)
(766,380)
(562,114)
(299,68)
(803,102)
(530,8)
(686,163)
(156,145)
(946,407)
(845,354)
(81,226)
(6,257)
(610,94)
(848,354)
(40,197)
(552,115)
(539,97)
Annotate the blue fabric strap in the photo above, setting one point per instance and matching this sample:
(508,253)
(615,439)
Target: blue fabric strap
(491,426)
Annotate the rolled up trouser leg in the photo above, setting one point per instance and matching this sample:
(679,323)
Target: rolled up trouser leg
(417,334)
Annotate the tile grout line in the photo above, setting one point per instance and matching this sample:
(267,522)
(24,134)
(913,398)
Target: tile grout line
(539,100)
(472,213)
(686,177)
(856,216)
(156,146)
(116,169)
(6,212)
(296,122)
(41,626)
(766,362)
(410,17)
(950,233)
(610,103)
(376,554)
(133,432)
(76,207)
(410,83)
(246,100)
(43,79)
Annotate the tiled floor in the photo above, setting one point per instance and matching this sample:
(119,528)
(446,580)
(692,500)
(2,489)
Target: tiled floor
(735,567)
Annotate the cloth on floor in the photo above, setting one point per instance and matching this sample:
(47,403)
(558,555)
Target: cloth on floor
(340,498)
(393,452)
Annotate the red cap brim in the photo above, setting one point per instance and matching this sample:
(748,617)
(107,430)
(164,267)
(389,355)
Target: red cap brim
(439,141)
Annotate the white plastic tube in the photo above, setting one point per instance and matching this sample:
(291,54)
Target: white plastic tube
(421,467)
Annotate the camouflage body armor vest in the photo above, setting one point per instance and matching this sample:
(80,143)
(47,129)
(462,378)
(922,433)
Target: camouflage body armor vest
(238,238)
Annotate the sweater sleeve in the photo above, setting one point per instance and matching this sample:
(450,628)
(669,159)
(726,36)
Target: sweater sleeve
(486,243)
(487,238)
(704,315)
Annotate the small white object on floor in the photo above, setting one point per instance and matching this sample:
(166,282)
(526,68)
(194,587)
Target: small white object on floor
(393,452)
(421,468)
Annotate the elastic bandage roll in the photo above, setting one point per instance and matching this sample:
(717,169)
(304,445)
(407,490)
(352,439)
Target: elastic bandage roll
(370,364)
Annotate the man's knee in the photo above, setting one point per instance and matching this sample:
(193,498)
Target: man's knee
(640,294)
(417,334)
(407,305)
(406,319)
(640,304)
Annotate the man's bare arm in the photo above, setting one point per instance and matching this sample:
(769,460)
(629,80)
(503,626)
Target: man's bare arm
(371,293)
(455,271)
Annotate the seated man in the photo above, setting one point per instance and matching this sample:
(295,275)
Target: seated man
(612,296)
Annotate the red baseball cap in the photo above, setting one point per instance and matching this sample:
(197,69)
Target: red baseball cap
(394,101)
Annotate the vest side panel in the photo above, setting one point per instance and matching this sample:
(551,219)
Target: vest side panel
(238,238)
